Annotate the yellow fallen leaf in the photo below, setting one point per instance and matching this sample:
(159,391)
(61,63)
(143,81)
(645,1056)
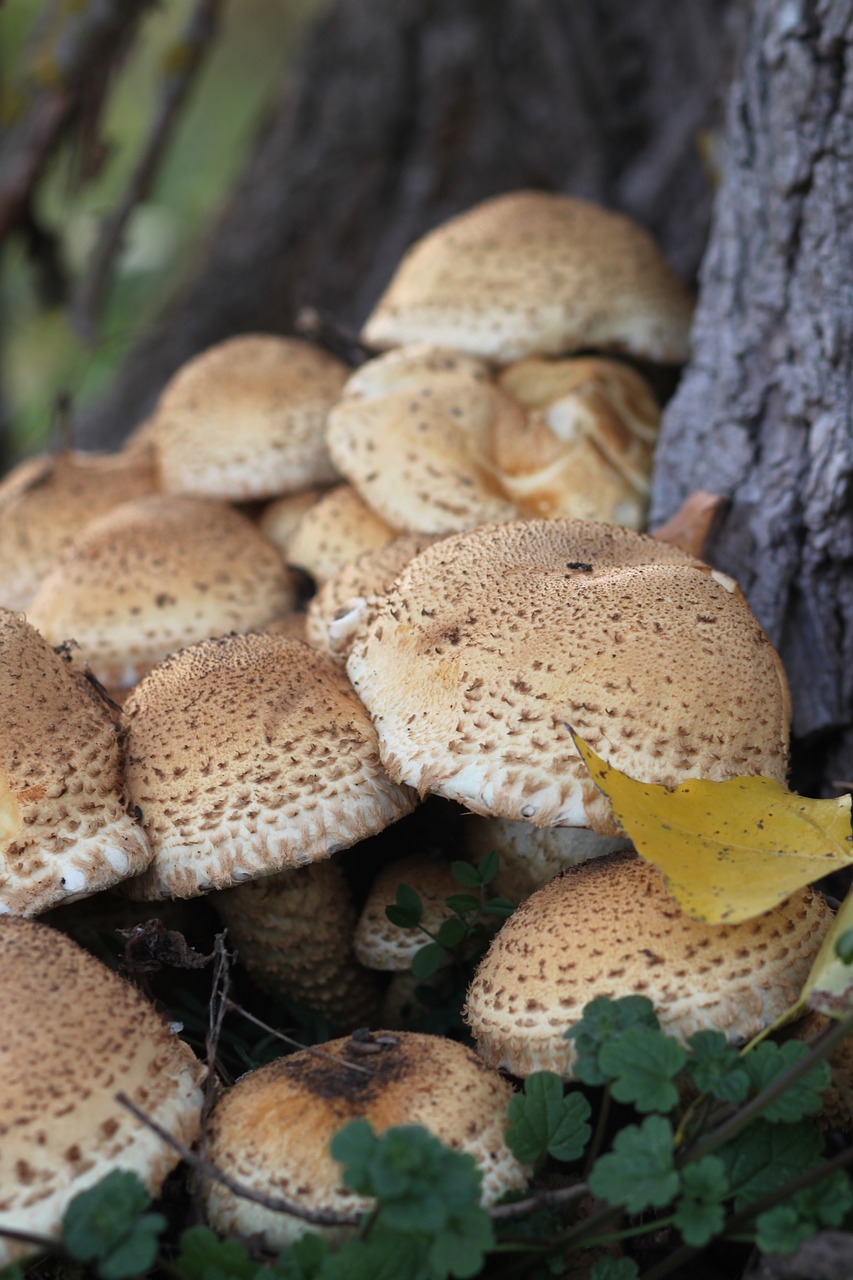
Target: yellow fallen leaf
(829,986)
(727,850)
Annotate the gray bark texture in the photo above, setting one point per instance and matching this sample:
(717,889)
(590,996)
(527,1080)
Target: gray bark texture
(403,112)
(764,413)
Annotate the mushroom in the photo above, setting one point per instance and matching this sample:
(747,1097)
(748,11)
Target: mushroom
(156,574)
(74,1035)
(535,273)
(272,1130)
(245,419)
(531,856)
(492,644)
(609,928)
(65,831)
(334,532)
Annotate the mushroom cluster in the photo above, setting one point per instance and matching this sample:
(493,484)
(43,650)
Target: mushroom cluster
(464,510)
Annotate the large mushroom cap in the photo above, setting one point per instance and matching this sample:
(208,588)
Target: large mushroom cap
(245,419)
(608,928)
(157,574)
(74,1035)
(45,503)
(273,1129)
(248,755)
(492,643)
(532,273)
(64,827)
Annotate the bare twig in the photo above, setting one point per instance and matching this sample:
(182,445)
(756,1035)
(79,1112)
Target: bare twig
(555,1198)
(277,1204)
(78,43)
(295,1044)
(182,65)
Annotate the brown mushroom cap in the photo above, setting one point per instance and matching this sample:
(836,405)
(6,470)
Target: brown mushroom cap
(157,574)
(245,419)
(379,944)
(585,449)
(608,928)
(46,502)
(64,827)
(274,1127)
(492,643)
(334,532)
(74,1035)
(280,519)
(248,755)
(413,433)
(533,273)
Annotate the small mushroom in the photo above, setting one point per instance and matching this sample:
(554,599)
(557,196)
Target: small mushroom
(334,532)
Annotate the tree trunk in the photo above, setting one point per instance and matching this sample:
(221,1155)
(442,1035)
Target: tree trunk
(404,113)
(764,414)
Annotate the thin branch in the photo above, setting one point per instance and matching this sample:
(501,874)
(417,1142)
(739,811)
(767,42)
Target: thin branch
(182,65)
(295,1044)
(28,1237)
(77,47)
(277,1204)
(556,1198)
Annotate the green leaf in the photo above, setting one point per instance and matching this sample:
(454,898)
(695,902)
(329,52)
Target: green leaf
(99,1222)
(767,1061)
(764,1157)
(639,1172)
(489,867)
(14,1271)
(642,1064)
(604,1020)
(544,1120)
(614,1269)
(407,899)
(452,933)
(402,919)
(464,904)
(386,1255)
(461,1248)
(427,960)
(716,1067)
(783,1228)
(700,1215)
(137,1253)
(502,907)
(203,1256)
(844,947)
(469,876)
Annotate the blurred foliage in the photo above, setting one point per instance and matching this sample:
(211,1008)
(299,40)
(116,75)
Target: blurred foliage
(246,67)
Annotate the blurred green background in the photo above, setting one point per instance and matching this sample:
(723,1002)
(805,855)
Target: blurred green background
(245,68)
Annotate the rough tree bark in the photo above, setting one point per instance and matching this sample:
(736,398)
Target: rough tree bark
(401,114)
(764,413)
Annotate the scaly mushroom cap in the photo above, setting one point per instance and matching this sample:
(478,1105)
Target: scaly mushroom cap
(336,611)
(248,755)
(413,433)
(585,450)
(273,1129)
(74,1035)
(532,273)
(492,643)
(379,944)
(157,574)
(531,856)
(280,519)
(293,933)
(334,532)
(64,827)
(245,419)
(46,502)
(609,928)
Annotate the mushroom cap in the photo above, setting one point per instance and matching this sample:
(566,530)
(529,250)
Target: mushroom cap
(531,856)
(585,449)
(413,433)
(248,755)
(74,1035)
(245,419)
(608,928)
(492,643)
(65,831)
(156,574)
(534,273)
(334,532)
(272,1130)
(336,611)
(378,943)
(46,502)
(280,518)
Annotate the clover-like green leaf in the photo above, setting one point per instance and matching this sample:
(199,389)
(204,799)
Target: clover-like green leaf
(767,1061)
(605,1020)
(716,1067)
(427,961)
(452,933)
(502,907)
(783,1228)
(614,1269)
(639,1172)
(544,1120)
(464,904)
(699,1214)
(100,1223)
(642,1064)
(469,876)
(765,1156)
